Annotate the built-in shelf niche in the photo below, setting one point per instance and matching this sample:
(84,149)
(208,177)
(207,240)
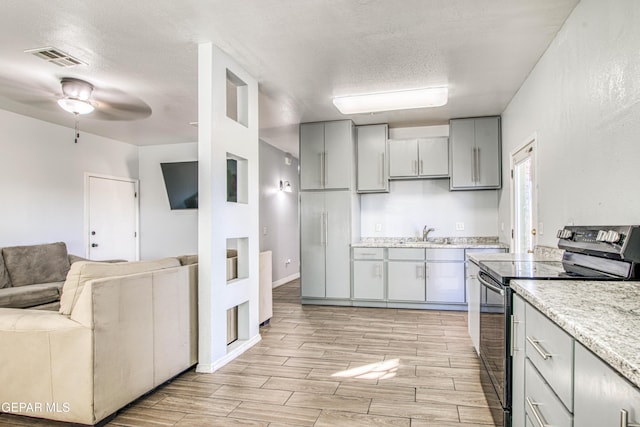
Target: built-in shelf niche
(237,259)
(237,179)
(237,99)
(237,325)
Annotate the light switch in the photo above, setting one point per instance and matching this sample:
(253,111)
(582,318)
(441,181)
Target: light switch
(378,227)
(264,231)
(541,229)
(459,226)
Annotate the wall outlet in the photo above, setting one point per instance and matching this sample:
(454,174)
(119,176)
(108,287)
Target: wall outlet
(540,229)
(502,226)
(459,226)
(287,262)
(264,231)
(378,227)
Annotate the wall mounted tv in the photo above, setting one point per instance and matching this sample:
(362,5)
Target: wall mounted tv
(181,181)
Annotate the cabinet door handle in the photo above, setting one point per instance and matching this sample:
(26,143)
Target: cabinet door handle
(377,270)
(382,169)
(514,322)
(624,420)
(414,166)
(324,169)
(421,167)
(536,345)
(326,228)
(537,415)
(419,272)
(477,164)
(473,164)
(322,242)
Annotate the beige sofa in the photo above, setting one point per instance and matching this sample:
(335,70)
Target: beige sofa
(122,330)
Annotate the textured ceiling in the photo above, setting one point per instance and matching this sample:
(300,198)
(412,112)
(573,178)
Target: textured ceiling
(302,52)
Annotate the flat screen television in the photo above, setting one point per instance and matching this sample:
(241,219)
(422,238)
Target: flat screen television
(181,181)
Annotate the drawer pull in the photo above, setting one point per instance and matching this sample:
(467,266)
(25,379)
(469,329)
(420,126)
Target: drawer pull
(537,415)
(536,344)
(624,420)
(368,254)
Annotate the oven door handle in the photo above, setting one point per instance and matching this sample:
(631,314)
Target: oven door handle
(490,285)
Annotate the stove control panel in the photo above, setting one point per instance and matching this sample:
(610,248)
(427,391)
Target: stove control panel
(616,241)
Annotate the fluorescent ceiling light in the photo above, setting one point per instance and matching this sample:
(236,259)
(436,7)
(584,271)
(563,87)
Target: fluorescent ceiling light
(388,101)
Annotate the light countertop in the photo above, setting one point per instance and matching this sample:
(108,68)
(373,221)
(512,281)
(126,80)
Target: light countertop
(480,256)
(442,242)
(603,316)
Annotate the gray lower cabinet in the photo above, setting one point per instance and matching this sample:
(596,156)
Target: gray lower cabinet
(368,274)
(559,382)
(445,276)
(601,394)
(372,159)
(406,271)
(325,238)
(518,326)
(475,153)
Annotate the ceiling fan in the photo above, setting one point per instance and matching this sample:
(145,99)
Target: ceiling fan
(80,97)
(75,95)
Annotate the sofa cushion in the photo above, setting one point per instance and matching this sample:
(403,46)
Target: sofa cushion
(30,296)
(5,280)
(28,265)
(83,271)
(188,259)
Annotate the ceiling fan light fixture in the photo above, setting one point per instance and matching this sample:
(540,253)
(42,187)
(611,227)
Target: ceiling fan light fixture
(75,106)
(389,101)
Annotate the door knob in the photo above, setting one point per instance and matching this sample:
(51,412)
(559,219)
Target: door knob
(94,245)
(533,231)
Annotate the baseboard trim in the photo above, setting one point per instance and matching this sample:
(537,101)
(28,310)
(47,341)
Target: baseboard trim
(239,347)
(286,280)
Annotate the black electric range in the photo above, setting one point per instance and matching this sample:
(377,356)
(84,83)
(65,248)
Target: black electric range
(591,253)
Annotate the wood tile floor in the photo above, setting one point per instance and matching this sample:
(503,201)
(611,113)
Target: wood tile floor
(328,366)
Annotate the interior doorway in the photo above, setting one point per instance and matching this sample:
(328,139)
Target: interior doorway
(111,223)
(523,196)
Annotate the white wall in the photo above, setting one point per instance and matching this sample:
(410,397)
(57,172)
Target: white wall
(582,100)
(42,179)
(279,213)
(410,205)
(164,232)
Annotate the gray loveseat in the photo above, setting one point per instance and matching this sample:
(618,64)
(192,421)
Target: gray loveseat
(32,276)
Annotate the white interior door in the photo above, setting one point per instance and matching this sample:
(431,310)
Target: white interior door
(524,199)
(112,220)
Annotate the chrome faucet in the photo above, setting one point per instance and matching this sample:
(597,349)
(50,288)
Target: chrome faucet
(425,232)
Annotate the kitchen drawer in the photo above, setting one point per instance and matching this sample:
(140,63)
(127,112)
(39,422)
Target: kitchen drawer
(550,349)
(445,254)
(368,253)
(542,406)
(409,254)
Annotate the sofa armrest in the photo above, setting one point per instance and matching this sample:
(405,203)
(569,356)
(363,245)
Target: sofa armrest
(46,359)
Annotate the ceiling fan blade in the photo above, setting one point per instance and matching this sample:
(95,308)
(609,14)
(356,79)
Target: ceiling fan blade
(113,104)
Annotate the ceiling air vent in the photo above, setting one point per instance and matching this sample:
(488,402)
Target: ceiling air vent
(55,56)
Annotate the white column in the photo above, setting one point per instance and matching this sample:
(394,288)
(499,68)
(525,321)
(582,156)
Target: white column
(218,220)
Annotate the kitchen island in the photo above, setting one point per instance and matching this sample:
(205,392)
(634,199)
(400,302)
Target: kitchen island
(591,328)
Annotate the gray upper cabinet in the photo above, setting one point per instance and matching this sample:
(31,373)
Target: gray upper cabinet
(372,159)
(326,155)
(475,153)
(419,158)
(433,157)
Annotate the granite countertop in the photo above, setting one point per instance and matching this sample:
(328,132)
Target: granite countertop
(541,253)
(603,316)
(438,242)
